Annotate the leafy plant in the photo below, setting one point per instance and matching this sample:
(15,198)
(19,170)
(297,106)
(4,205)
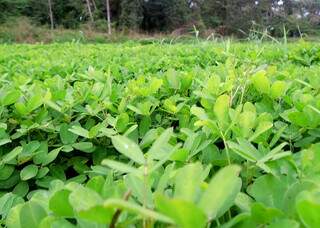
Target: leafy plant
(186,135)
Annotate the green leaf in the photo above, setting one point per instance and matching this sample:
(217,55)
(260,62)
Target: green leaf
(31,214)
(6,171)
(96,183)
(7,201)
(11,181)
(21,189)
(122,122)
(34,102)
(98,214)
(131,207)
(59,203)
(199,112)
(122,167)
(185,214)
(245,150)
(83,198)
(13,218)
(261,82)
(55,222)
(221,192)
(51,156)
(278,89)
(274,153)
(128,148)
(247,121)
(298,118)
(4,141)
(84,146)
(160,143)
(221,109)
(262,214)
(284,223)
(42,172)
(139,190)
(263,126)
(11,155)
(243,201)
(278,192)
(173,79)
(11,97)
(21,108)
(28,172)
(308,208)
(78,130)
(236,220)
(66,136)
(213,84)
(187,182)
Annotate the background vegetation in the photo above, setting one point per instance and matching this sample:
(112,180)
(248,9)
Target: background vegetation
(241,18)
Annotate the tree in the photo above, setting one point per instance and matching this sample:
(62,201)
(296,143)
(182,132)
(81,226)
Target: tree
(108,16)
(164,15)
(131,14)
(213,12)
(50,14)
(89,11)
(177,13)
(11,8)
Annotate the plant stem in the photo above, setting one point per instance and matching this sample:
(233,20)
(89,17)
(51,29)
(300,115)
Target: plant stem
(145,176)
(226,147)
(118,212)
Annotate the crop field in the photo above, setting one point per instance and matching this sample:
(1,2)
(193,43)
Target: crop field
(158,135)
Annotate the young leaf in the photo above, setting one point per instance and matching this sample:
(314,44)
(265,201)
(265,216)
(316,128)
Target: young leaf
(187,182)
(13,218)
(29,172)
(261,82)
(82,198)
(84,146)
(11,97)
(6,171)
(245,150)
(31,214)
(66,136)
(139,190)
(34,102)
(160,142)
(51,156)
(221,108)
(21,189)
(59,203)
(308,208)
(122,167)
(216,200)
(185,214)
(262,127)
(78,130)
(11,155)
(98,214)
(278,89)
(128,148)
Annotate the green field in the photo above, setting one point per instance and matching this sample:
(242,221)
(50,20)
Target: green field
(159,135)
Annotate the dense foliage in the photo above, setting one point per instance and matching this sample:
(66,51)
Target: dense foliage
(135,135)
(240,17)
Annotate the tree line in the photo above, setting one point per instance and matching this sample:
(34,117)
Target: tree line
(223,16)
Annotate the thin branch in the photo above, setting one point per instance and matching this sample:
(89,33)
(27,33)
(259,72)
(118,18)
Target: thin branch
(118,211)
(50,14)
